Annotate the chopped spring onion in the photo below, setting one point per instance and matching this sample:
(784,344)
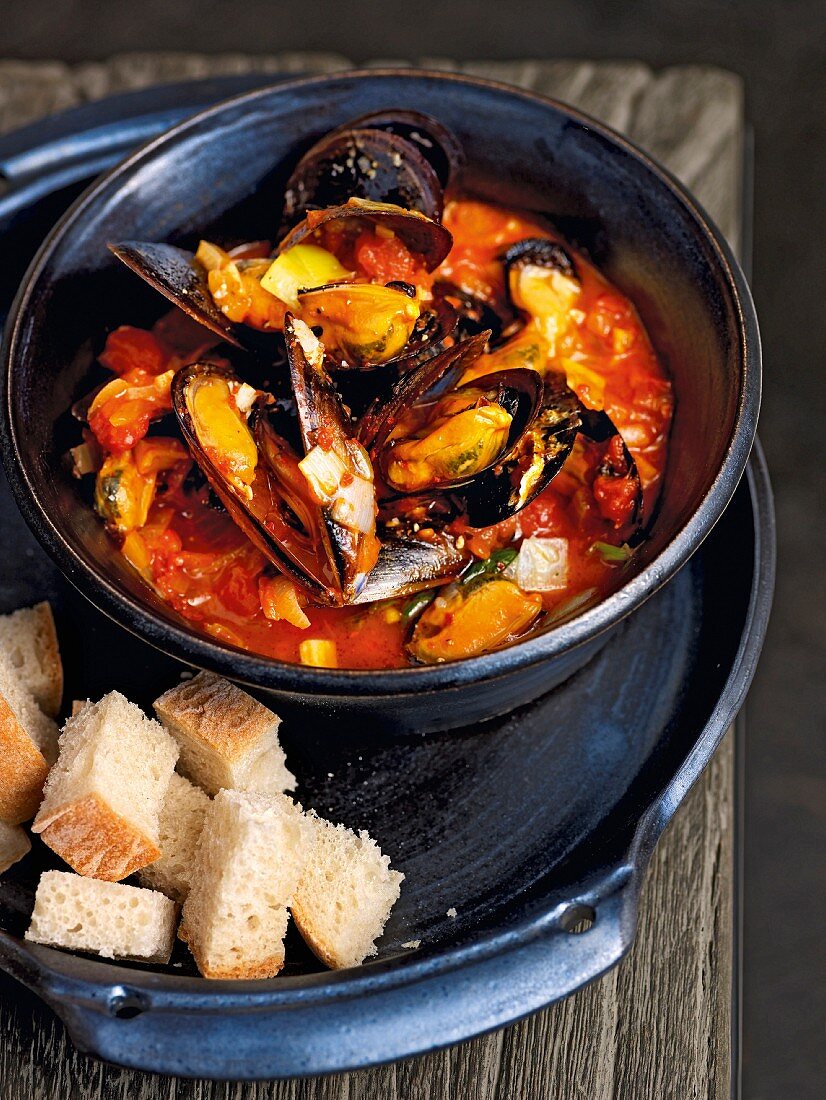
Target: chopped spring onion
(541,566)
(486,568)
(413,608)
(323,471)
(610,553)
(302,266)
(355,506)
(319,653)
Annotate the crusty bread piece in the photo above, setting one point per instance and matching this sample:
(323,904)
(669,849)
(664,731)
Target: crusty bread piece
(104,795)
(28,746)
(29,639)
(228,739)
(345,895)
(179,830)
(78,705)
(250,857)
(14,844)
(104,918)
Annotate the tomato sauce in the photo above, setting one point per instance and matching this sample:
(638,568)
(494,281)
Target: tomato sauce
(202,564)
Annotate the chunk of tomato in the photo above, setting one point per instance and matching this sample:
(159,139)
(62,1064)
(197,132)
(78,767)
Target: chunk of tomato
(129,348)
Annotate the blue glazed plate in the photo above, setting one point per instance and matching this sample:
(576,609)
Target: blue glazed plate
(524,825)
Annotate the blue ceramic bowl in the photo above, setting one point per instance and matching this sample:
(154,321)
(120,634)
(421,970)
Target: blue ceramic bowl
(220,174)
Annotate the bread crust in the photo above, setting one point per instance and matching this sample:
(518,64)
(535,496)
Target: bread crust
(217,714)
(49,648)
(262,968)
(95,841)
(313,937)
(23,769)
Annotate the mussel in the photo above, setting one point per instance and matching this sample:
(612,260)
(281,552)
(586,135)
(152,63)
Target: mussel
(435,142)
(427,239)
(174,273)
(369,163)
(336,466)
(254,472)
(542,281)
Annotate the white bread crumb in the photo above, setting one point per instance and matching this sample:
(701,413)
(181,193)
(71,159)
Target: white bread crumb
(228,739)
(411,945)
(345,895)
(104,918)
(179,830)
(451,912)
(252,851)
(103,798)
(29,639)
(14,844)
(28,747)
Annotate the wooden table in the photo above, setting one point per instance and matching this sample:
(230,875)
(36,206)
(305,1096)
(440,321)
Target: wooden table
(659,1025)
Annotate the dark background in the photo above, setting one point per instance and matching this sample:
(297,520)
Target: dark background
(780,51)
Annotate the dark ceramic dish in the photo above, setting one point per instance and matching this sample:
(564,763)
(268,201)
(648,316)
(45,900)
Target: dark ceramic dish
(220,175)
(617,774)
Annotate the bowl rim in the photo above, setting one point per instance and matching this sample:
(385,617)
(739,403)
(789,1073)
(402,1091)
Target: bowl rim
(288,678)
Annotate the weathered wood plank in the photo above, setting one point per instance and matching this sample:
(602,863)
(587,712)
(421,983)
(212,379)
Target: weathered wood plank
(659,1024)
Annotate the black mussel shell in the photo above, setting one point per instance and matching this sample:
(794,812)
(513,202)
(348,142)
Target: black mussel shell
(599,428)
(267,518)
(408,565)
(322,415)
(435,142)
(175,274)
(369,164)
(539,252)
(424,237)
(474,315)
(442,370)
(532,463)
(518,391)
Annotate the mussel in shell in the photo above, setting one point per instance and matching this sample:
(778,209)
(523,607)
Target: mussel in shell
(427,239)
(369,163)
(433,140)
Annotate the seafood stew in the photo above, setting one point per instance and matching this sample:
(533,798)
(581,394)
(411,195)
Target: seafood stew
(407,429)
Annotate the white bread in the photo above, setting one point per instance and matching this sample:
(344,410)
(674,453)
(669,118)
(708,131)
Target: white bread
(28,746)
(228,739)
(345,895)
(14,844)
(179,830)
(104,918)
(250,857)
(29,639)
(103,797)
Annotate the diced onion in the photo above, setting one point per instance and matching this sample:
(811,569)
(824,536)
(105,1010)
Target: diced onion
(541,565)
(323,471)
(354,507)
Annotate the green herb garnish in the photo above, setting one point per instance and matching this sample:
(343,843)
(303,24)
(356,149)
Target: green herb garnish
(486,568)
(413,608)
(610,553)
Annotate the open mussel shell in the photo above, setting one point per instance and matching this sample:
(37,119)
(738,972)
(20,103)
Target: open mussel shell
(425,238)
(598,427)
(474,315)
(517,392)
(408,565)
(532,463)
(539,252)
(174,273)
(371,164)
(325,425)
(440,371)
(438,145)
(367,325)
(285,532)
